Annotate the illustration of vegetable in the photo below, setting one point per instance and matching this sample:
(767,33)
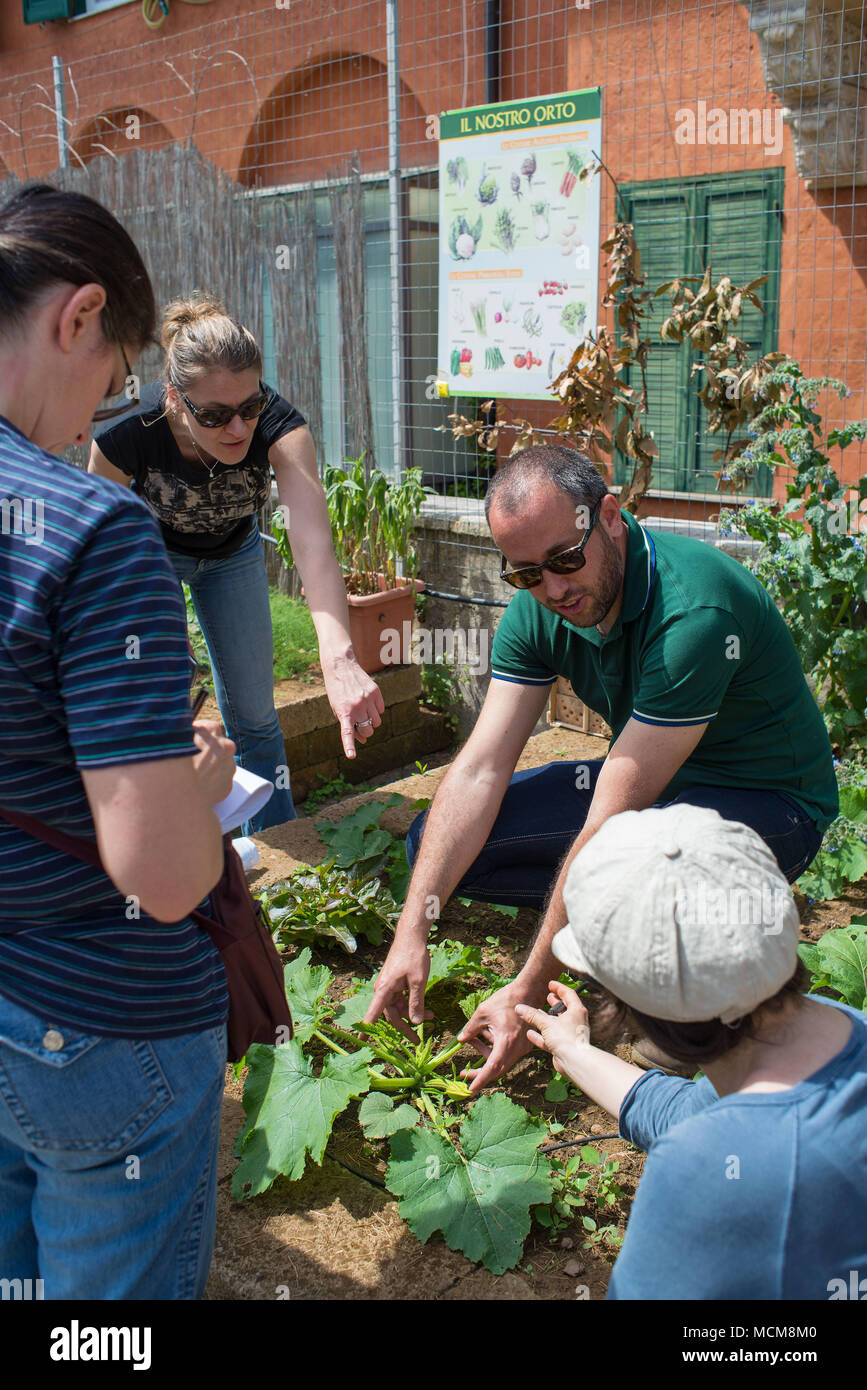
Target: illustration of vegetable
(550,362)
(532,323)
(569,238)
(488,187)
(458,172)
(479,317)
(493,359)
(576,164)
(504,230)
(573,317)
(541,225)
(454,364)
(528,168)
(464,238)
(507,310)
(515,185)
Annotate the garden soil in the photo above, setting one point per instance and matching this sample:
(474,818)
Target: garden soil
(336,1233)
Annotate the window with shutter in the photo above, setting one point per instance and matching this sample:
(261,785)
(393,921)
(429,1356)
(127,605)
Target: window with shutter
(733,223)
(38,11)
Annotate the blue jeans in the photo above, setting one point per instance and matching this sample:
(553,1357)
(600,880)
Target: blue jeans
(542,813)
(108,1160)
(231,602)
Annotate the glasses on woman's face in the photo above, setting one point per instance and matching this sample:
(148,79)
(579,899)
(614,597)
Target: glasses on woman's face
(130,388)
(566,562)
(215,417)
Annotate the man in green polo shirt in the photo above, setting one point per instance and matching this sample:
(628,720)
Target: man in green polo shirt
(684,653)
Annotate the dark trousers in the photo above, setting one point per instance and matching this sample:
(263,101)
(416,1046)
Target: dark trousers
(543,812)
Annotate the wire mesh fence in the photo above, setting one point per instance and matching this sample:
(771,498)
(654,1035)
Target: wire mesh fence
(286,159)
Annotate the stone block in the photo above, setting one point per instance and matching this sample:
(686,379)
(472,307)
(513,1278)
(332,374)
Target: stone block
(403,717)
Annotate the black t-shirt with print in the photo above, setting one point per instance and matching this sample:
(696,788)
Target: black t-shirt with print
(207,517)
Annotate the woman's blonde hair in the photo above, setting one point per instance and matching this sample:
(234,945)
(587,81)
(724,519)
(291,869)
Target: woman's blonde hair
(199,336)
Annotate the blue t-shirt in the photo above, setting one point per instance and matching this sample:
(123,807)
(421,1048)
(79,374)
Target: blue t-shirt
(94,673)
(758,1196)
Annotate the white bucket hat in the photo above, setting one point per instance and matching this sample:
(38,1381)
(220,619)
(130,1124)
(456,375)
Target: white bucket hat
(681,914)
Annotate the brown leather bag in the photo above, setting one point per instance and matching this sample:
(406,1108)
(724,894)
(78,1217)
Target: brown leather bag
(254,974)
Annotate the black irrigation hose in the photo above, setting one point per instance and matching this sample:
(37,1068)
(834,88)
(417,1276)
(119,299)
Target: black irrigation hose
(570,1143)
(374,1182)
(439,593)
(467,598)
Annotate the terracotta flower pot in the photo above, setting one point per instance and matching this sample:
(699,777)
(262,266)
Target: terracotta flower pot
(371,615)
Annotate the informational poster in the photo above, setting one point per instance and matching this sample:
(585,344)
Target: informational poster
(519,243)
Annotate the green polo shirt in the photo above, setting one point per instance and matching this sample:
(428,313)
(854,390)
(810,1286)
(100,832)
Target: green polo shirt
(698,640)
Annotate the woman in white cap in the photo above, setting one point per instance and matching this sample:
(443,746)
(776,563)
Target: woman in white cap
(688,923)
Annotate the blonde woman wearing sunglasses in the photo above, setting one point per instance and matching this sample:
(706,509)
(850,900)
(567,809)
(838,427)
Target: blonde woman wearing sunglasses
(199,447)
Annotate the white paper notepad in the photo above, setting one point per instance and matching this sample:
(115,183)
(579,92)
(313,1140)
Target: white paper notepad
(248,795)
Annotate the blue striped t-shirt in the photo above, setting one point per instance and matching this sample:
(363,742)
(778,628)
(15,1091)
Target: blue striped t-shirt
(93,673)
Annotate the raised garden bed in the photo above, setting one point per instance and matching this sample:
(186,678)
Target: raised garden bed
(314,751)
(335,1233)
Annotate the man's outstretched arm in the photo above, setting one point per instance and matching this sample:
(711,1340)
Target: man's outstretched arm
(458,824)
(639,766)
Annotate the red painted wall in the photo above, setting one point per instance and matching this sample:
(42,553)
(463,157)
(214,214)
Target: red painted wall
(287,95)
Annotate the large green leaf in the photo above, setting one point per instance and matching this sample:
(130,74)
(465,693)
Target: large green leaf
(352,1009)
(481,1198)
(379,1117)
(853,804)
(356,838)
(838,960)
(306,990)
(290,1111)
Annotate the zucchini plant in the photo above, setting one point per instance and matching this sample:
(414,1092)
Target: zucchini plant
(474,1176)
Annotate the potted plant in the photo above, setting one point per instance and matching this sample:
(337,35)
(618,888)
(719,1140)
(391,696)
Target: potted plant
(372,518)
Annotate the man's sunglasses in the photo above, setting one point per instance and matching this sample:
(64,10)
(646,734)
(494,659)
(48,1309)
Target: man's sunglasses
(214,417)
(566,562)
(131,391)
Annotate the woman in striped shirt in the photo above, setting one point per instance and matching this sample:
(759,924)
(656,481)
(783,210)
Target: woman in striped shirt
(112,1003)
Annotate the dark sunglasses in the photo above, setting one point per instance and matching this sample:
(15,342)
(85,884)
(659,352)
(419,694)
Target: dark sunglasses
(566,562)
(214,417)
(131,393)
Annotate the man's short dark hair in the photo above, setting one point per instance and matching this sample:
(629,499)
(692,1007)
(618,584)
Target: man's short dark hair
(521,474)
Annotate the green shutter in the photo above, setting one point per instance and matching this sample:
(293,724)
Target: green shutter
(733,223)
(663,223)
(743,242)
(37,11)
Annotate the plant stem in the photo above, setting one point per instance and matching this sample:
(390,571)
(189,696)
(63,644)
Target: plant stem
(841,612)
(390,1083)
(445,1056)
